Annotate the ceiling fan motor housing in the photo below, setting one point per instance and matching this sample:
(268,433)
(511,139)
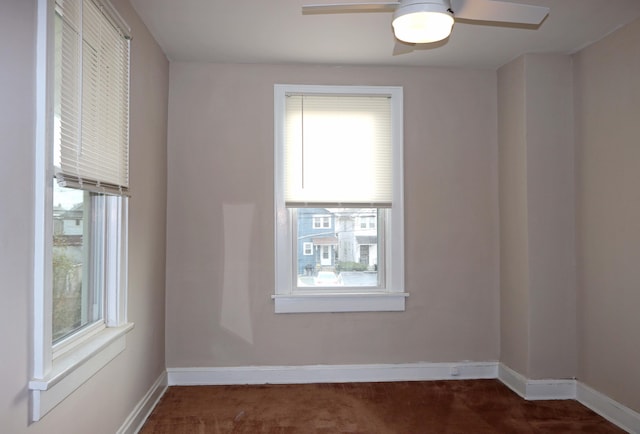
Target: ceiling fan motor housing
(422,21)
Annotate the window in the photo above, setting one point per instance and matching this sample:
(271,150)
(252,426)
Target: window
(82,181)
(320,222)
(339,188)
(367,222)
(307,249)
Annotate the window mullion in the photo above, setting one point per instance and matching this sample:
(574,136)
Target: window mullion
(382,226)
(115,260)
(99,268)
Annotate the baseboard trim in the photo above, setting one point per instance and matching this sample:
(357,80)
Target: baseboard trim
(534,390)
(331,373)
(143,409)
(613,411)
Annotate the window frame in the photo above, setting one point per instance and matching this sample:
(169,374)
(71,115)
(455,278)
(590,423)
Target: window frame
(391,295)
(60,368)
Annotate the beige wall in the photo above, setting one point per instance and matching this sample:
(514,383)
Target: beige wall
(103,403)
(537,216)
(607,87)
(551,216)
(569,165)
(221,156)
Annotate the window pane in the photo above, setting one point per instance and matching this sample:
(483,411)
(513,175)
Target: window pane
(77,298)
(337,247)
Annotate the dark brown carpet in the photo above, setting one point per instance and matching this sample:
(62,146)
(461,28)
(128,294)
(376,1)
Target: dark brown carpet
(476,406)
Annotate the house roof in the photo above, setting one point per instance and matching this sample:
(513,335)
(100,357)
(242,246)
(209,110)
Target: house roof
(325,241)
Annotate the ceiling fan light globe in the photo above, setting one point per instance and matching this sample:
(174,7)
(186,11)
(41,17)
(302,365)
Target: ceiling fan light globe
(422,23)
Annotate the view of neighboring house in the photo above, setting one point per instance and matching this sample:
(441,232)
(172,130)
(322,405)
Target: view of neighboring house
(67,266)
(337,239)
(67,223)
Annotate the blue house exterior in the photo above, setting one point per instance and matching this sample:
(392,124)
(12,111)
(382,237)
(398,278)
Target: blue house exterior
(317,240)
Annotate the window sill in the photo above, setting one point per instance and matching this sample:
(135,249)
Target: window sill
(348,302)
(73,368)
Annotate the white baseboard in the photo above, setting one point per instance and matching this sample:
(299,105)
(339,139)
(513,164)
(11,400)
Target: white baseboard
(143,409)
(331,373)
(606,407)
(613,411)
(534,390)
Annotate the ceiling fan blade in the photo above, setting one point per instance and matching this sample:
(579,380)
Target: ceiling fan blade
(490,10)
(341,8)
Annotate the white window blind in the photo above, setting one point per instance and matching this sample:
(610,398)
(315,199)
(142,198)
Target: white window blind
(338,151)
(91,144)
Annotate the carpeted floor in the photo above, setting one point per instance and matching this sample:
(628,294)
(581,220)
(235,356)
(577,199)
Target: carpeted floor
(473,406)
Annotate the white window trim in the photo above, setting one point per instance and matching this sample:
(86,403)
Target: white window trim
(393,296)
(56,376)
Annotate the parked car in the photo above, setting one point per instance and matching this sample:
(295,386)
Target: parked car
(328,278)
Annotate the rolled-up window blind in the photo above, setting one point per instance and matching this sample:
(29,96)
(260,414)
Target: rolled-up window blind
(338,151)
(91,133)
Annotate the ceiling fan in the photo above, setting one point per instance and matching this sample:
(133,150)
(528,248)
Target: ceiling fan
(427,21)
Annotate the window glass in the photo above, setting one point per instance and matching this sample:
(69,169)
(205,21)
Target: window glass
(77,293)
(341,252)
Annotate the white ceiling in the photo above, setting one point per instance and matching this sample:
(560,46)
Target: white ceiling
(262,31)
